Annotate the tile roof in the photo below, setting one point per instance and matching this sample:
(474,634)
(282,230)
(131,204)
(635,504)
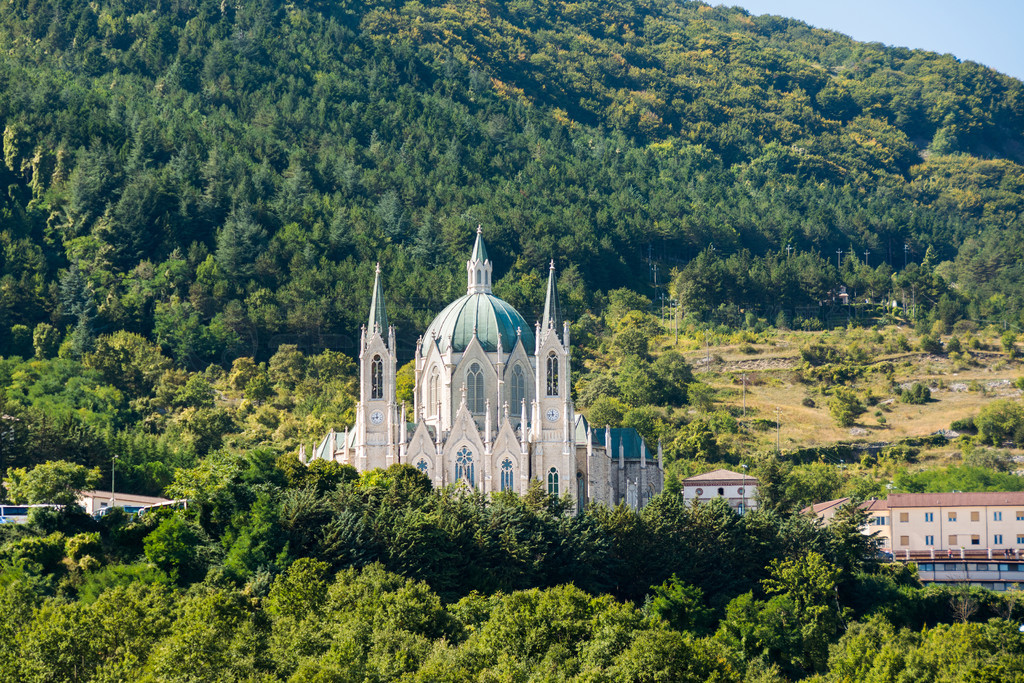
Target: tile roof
(954,499)
(819,508)
(720,475)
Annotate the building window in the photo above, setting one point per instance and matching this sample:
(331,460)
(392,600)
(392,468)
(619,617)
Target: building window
(904,540)
(552,374)
(376,378)
(975,516)
(475,389)
(997,539)
(741,491)
(929,540)
(951,517)
(929,516)
(721,491)
(434,393)
(518,387)
(581,492)
(1020,515)
(975,539)
(997,516)
(879,521)
(422,466)
(904,516)
(553,482)
(464,466)
(699,492)
(506,475)
(1020,539)
(952,539)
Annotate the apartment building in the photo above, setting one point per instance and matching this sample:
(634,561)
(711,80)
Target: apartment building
(976,538)
(949,522)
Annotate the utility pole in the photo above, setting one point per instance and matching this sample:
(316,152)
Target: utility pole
(744,394)
(789,249)
(839,259)
(707,349)
(866,252)
(675,318)
(906,248)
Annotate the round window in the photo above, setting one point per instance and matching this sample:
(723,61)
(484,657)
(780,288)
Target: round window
(700,492)
(740,491)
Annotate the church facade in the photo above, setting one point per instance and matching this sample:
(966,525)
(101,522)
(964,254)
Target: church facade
(492,405)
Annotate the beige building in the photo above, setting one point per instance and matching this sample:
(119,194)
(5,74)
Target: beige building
(957,537)
(740,490)
(944,522)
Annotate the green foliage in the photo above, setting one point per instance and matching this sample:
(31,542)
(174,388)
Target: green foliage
(967,477)
(57,481)
(681,605)
(1000,420)
(916,394)
(845,407)
(172,548)
(931,344)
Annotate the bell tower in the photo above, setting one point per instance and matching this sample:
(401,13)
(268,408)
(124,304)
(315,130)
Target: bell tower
(377,425)
(553,421)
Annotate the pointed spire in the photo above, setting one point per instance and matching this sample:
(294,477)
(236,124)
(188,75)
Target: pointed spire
(552,314)
(479,250)
(478,267)
(378,316)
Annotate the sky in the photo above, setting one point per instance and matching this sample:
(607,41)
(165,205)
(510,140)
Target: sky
(990,32)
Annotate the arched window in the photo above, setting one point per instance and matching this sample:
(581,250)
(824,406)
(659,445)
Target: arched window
(433,395)
(518,389)
(506,475)
(475,389)
(581,492)
(552,374)
(478,274)
(553,482)
(376,378)
(464,466)
(422,466)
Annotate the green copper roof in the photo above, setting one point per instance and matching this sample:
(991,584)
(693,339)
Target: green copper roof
(479,250)
(378,316)
(488,315)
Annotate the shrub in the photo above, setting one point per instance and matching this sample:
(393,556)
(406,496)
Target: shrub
(964,425)
(1000,421)
(916,394)
(845,407)
(931,345)
(808,402)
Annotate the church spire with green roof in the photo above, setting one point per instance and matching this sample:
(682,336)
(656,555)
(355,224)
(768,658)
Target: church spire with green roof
(378,316)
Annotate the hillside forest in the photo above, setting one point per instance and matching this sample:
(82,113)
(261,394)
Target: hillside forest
(774,244)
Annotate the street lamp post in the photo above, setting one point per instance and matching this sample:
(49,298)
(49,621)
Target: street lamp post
(113,495)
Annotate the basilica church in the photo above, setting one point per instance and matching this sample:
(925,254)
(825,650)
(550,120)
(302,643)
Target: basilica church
(492,406)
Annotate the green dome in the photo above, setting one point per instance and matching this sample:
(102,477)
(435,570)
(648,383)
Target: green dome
(488,315)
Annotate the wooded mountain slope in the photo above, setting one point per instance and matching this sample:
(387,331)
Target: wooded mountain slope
(221,177)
